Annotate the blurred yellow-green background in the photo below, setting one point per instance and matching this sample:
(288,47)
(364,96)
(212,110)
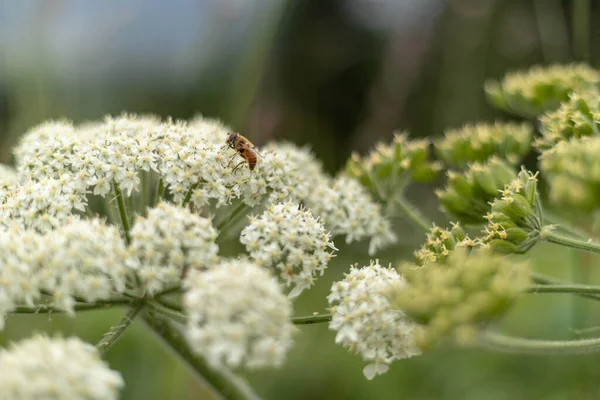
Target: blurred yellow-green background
(338,75)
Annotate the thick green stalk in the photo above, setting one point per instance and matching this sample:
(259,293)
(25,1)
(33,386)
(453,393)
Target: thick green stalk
(188,195)
(116,331)
(566,288)
(122,211)
(159,191)
(221,380)
(552,237)
(44,308)
(242,207)
(499,342)
(413,214)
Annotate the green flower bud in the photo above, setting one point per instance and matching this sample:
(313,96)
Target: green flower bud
(441,242)
(468,290)
(467,195)
(540,89)
(514,222)
(389,168)
(478,143)
(578,117)
(572,169)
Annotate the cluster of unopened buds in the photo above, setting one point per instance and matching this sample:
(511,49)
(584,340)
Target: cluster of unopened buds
(140,213)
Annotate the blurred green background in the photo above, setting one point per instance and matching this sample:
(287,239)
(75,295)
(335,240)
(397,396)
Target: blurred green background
(338,75)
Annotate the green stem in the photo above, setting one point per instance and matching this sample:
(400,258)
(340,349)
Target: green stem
(116,331)
(223,381)
(548,281)
(413,214)
(499,342)
(169,304)
(311,319)
(188,195)
(44,308)
(581,29)
(565,288)
(168,312)
(159,191)
(552,237)
(234,214)
(167,291)
(122,211)
(144,183)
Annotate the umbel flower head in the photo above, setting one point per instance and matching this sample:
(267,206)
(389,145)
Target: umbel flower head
(346,208)
(455,298)
(8,177)
(441,242)
(290,240)
(540,89)
(169,240)
(56,368)
(578,117)
(515,220)
(365,321)
(238,315)
(467,195)
(508,141)
(572,169)
(389,168)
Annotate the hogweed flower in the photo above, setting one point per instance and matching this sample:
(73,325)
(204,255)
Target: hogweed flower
(515,219)
(86,258)
(467,195)
(169,240)
(480,142)
(389,168)
(540,89)
(365,320)
(457,297)
(441,242)
(572,169)
(578,117)
(54,368)
(238,316)
(292,242)
(346,208)
(41,205)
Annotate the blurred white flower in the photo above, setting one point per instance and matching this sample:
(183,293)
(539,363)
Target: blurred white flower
(85,258)
(20,257)
(238,316)
(8,176)
(366,323)
(291,241)
(169,240)
(46,368)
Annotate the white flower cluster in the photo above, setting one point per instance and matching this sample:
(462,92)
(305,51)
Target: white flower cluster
(56,368)
(41,205)
(366,323)
(346,208)
(238,316)
(87,259)
(169,240)
(291,241)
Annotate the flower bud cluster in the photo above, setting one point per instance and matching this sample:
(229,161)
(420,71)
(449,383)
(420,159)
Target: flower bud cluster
(572,169)
(56,368)
(508,141)
(540,89)
(441,242)
(365,321)
(292,242)
(389,168)
(454,298)
(168,241)
(467,196)
(515,219)
(578,117)
(238,315)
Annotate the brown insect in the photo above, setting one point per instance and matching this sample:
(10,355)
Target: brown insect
(244,148)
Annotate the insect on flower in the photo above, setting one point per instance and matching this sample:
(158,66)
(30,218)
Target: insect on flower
(244,148)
